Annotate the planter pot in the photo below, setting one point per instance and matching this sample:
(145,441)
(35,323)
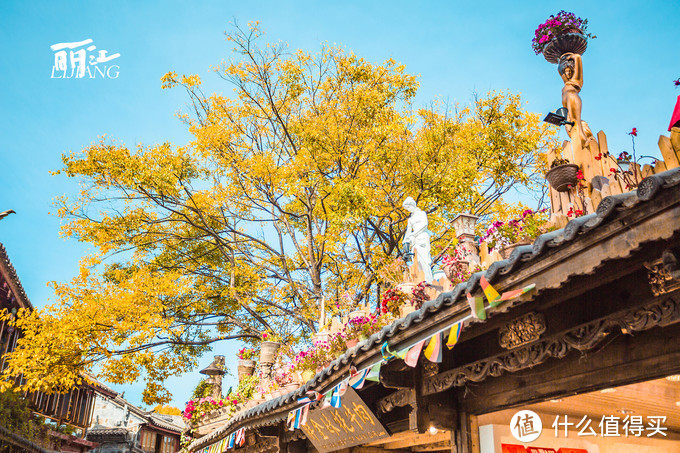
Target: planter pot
(568,42)
(506,251)
(451,270)
(407,289)
(351,343)
(268,350)
(356,314)
(245,368)
(562,176)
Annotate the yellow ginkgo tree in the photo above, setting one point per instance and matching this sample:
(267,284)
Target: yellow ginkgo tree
(289,194)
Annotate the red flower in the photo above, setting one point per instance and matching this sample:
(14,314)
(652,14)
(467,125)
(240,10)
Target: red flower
(633,132)
(599,156)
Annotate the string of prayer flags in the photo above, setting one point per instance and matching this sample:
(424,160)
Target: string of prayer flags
(374,373)
(495,299)
(454,334)
(230,442)
(433,351)
(387,354)
(309,397)
(412,355)
(357,378)
(336,398)
(385,351)
(477,306)
(296,418)
(518,292)
(489,291)
(223,445)
(241,436)
(327,399)
(400,354)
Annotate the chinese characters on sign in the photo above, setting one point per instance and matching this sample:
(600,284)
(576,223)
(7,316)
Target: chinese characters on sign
(79,60)
(526,426)
(611,426)
(337,428)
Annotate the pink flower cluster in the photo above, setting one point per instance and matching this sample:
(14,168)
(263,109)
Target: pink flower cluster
(500,234)
(193,407)
(246,353)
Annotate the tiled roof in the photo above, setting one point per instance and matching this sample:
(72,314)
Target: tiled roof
(612,209)
(169,422)
(7,265)
(102,434)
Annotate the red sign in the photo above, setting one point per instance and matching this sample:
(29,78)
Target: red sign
(507,448)
(540,450)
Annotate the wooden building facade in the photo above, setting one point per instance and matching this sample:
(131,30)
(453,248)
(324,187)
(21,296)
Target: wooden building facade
(73,408)
(596,338)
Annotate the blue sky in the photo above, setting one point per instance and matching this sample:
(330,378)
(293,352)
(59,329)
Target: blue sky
(455,47)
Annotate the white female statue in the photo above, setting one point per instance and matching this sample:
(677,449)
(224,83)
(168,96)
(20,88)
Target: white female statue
(418,236)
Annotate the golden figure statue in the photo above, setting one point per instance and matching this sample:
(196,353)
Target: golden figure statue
(570,68)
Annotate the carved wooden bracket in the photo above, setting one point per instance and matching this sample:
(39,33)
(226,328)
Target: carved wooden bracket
(522,330)
(400,398)
(664,273)
(584,337)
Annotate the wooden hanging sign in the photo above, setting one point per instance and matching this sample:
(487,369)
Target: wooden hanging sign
(333,429)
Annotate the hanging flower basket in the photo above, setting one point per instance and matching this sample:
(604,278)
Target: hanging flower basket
(561,33)
(562,177)
(573,42)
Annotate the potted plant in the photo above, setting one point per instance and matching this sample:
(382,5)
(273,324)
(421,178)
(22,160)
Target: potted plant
(420,295)
(246,364)
(561,33)
(506,236)
(357,328)
(457,268)
(392,300)
(562,175)
(308,362)
(285,379)
(269,347)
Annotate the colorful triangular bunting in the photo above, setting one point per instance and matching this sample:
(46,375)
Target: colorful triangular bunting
(489,291)
(477,306)
(433,351)
(454,334)
(412,355)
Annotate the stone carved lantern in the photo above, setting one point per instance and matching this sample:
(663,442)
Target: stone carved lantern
(215,371)
(464,225)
